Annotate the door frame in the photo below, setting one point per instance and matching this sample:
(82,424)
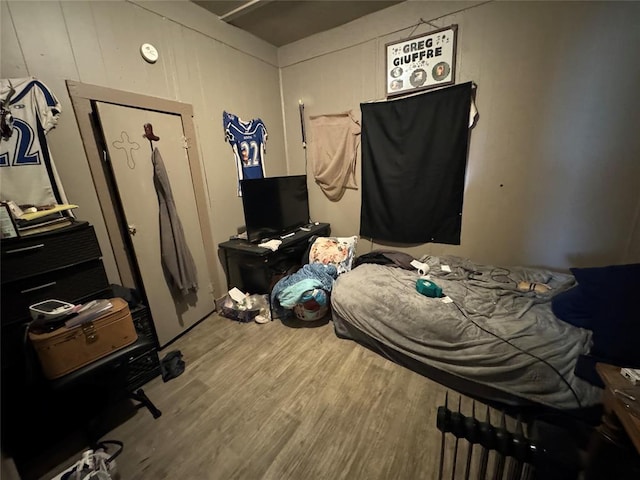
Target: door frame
(82,95)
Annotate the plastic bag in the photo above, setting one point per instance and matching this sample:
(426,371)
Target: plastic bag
(248,309)
(94,464)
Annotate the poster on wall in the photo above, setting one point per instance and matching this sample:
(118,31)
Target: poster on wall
(421,62)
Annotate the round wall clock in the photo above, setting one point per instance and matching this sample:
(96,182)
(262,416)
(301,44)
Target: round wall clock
(149,52)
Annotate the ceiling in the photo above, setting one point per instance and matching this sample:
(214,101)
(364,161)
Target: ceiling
(280,22)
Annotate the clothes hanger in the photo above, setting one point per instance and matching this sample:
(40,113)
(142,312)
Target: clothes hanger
(149,135)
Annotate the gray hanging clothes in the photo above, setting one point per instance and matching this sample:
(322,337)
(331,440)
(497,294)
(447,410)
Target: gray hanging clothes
(176,257)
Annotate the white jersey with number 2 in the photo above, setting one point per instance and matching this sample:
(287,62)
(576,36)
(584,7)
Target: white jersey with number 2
(27,172)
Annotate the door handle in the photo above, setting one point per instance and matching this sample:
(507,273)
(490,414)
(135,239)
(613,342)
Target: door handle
(132,229)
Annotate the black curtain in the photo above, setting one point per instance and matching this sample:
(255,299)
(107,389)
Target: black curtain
(414,155)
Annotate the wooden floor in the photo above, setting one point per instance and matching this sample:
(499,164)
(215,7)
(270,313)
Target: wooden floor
(280,401)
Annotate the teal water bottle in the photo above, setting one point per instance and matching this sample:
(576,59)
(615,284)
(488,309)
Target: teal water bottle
(428,288)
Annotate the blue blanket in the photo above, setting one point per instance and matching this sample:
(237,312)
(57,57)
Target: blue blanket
(284,292)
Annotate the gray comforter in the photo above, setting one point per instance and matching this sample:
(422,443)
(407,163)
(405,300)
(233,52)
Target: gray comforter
(491,332)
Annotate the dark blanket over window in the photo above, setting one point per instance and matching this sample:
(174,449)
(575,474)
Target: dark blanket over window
(414,153)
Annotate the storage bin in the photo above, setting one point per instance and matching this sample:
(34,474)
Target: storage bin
(247,311)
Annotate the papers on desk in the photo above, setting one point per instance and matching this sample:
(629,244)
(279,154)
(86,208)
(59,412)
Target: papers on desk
(631,374)
(34,215)
(271,244)
(88,312)
(34,220)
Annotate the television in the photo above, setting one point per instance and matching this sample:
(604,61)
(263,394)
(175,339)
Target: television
(274,206)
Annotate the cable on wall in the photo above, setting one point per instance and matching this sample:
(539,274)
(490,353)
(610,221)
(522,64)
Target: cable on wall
(304,133)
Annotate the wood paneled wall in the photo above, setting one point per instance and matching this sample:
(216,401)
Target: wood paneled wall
(553,168)
(553,171)
(203,61)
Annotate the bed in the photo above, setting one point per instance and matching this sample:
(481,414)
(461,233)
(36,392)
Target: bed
(489,337)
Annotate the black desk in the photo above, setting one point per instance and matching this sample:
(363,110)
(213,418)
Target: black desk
(254,269)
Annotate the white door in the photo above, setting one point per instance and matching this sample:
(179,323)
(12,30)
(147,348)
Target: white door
(130,155)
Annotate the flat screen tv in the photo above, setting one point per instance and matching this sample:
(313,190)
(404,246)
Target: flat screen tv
(274,206)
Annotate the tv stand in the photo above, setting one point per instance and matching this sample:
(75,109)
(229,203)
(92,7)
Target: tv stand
(255,269)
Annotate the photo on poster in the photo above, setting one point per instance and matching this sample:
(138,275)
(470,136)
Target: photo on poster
(421,62)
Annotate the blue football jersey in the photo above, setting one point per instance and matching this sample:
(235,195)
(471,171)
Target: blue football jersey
(248,141)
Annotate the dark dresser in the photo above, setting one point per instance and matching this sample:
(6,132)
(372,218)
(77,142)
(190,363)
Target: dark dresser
(66,265)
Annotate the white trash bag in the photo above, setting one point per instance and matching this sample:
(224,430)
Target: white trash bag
(94,464)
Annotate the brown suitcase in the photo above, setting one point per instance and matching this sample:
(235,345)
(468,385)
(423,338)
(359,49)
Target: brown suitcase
(67,349)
